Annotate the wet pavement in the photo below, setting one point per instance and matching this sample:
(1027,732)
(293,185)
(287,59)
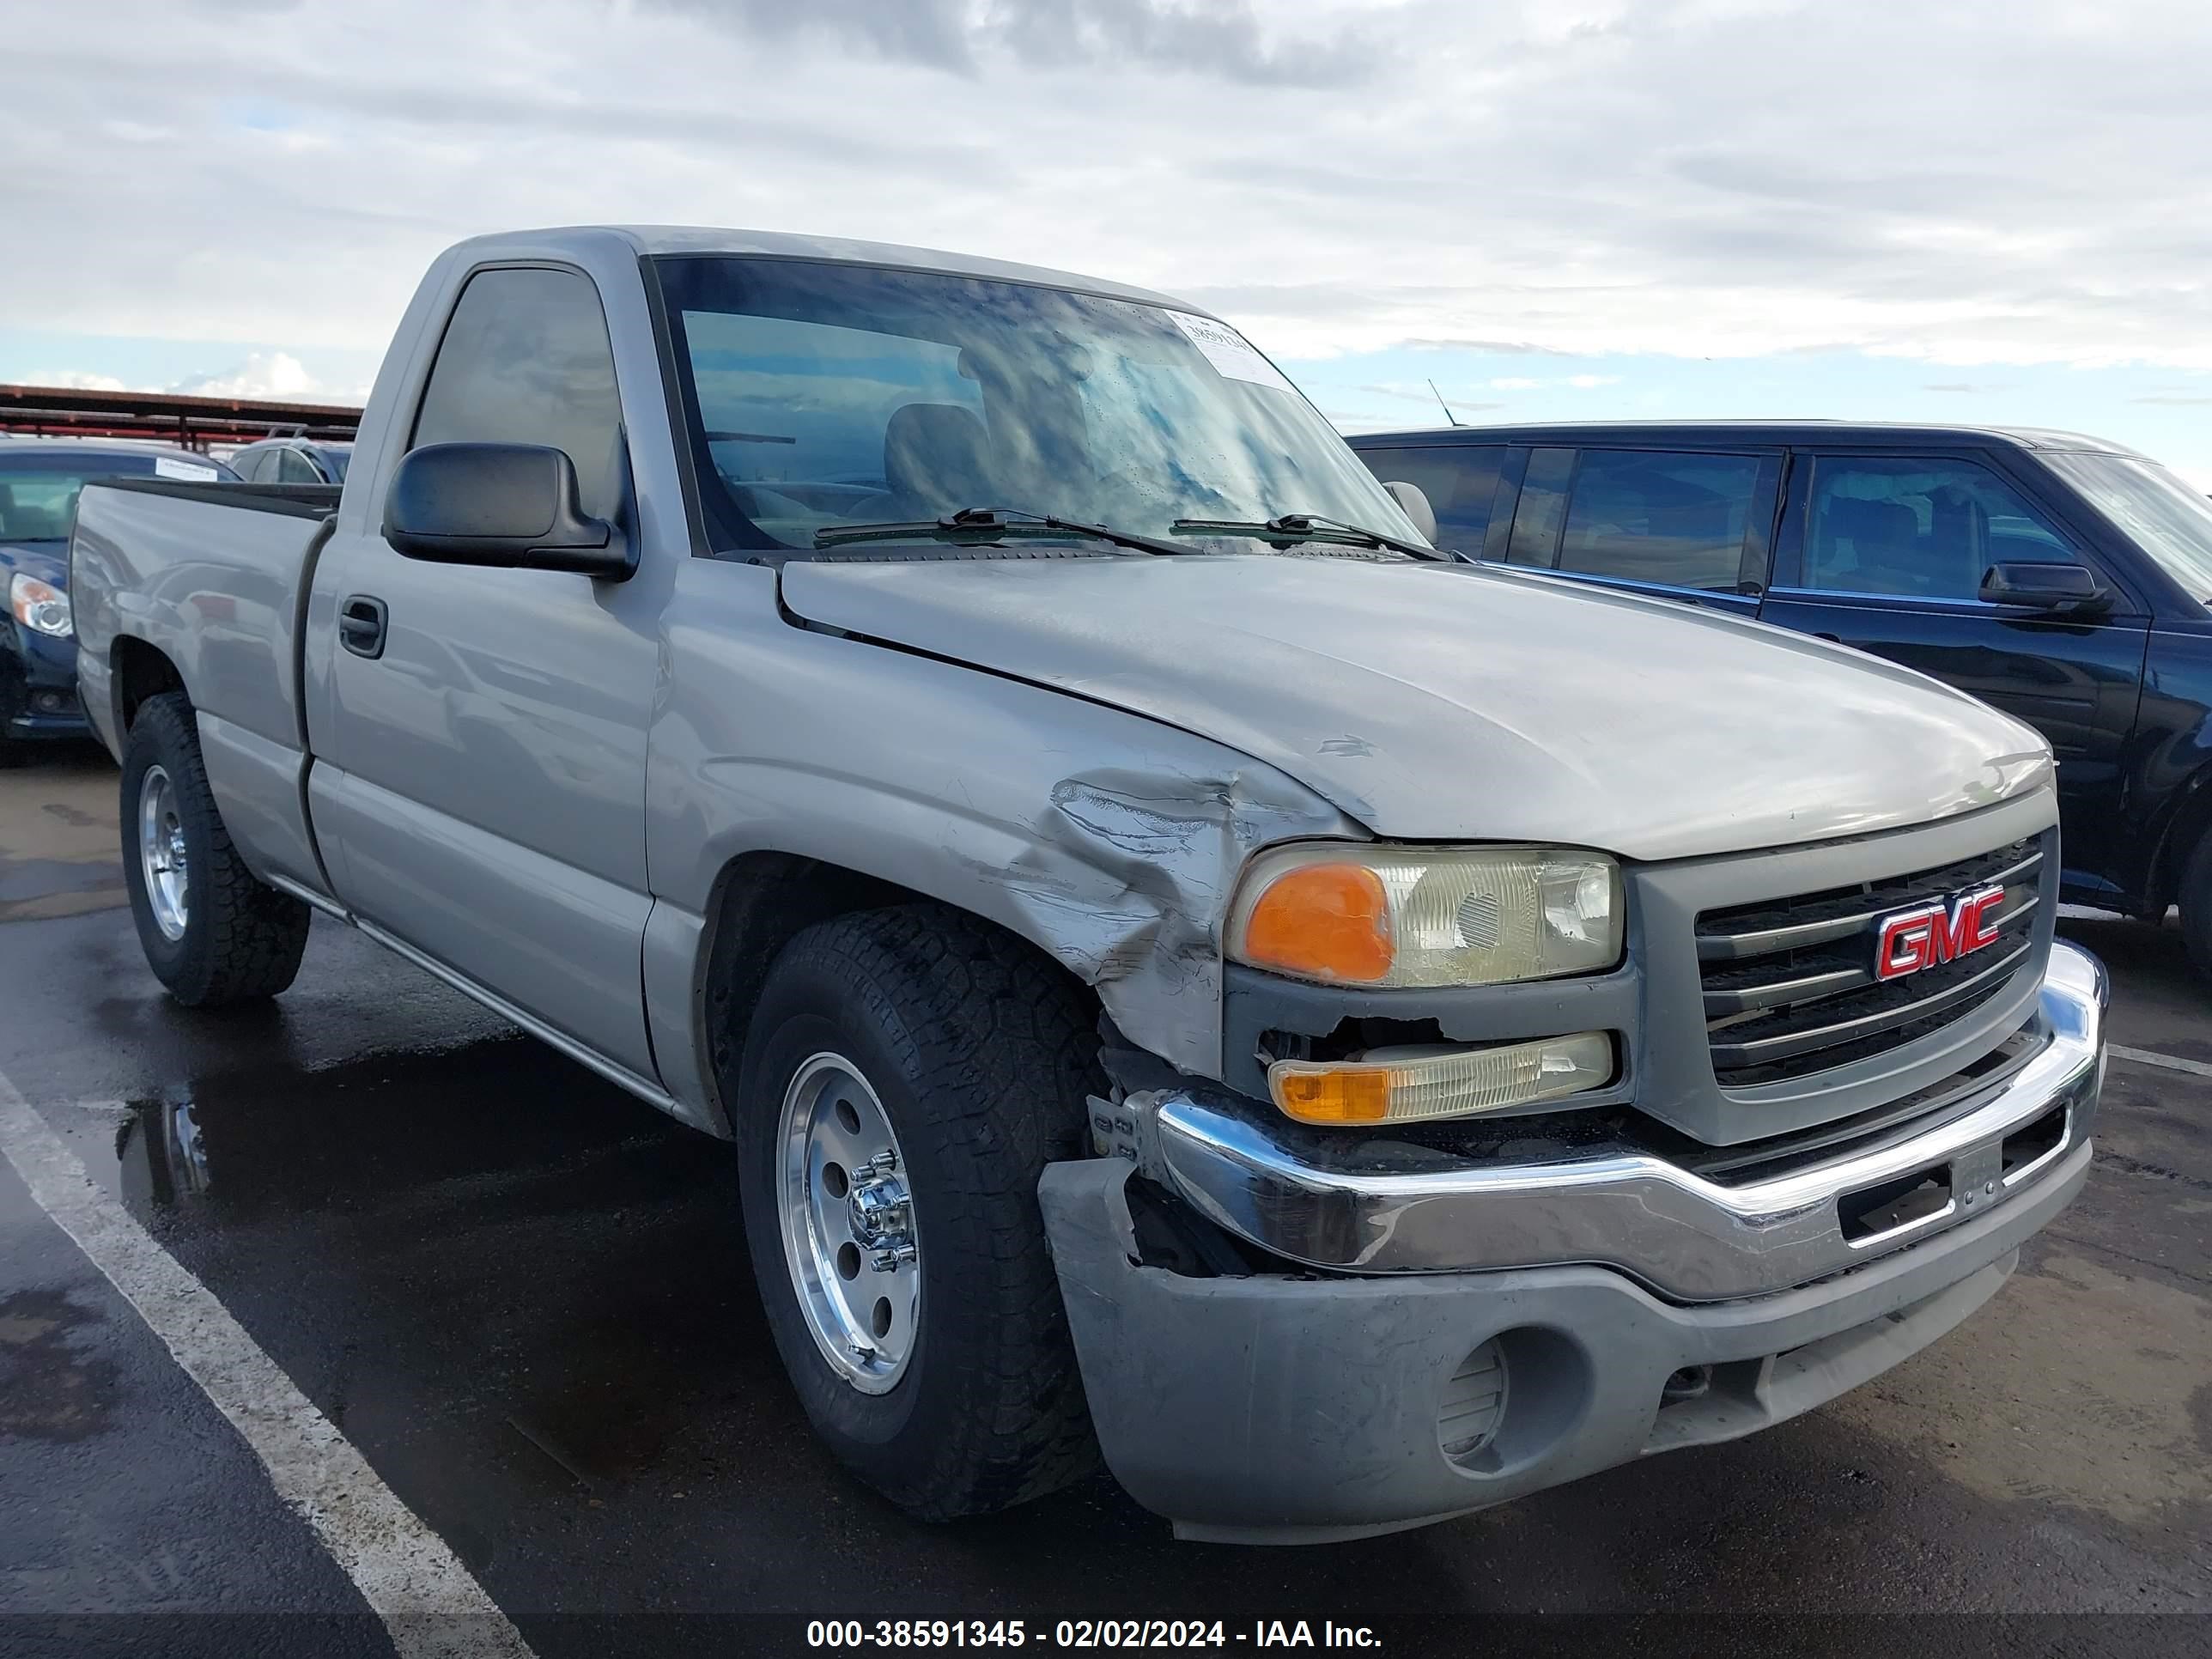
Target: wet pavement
(57,847)
(525,1297)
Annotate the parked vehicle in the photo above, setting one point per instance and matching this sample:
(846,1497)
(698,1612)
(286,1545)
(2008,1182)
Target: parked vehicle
(1189,970)
(40,479)
(2060,577)
(292,461)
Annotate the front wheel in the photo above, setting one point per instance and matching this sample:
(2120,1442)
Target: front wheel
(908,1075)
(212,931)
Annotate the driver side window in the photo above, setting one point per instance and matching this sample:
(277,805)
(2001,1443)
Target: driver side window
(1917,528)
(525,360)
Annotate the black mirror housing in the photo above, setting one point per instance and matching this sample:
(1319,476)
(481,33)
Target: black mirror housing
(2044,586)
(509,506)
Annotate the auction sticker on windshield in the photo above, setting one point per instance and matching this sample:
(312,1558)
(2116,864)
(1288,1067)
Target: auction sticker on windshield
(168,466)
(1232,355)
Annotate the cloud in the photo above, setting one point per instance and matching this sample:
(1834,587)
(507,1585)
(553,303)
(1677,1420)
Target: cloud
(970,37)
(1488,348)
(262,374)
(1964,387)
(1587,382)
(274,374)
(74,378)
(2171,398)
(1420,391)
(1530,177)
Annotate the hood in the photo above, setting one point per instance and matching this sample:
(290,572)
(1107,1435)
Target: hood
(1464,702)
(47,560)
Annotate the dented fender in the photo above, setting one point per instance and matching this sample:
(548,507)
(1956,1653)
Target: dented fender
(1109,840)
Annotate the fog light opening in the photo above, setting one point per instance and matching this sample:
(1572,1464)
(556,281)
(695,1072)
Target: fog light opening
(1514,1400)
(1475,1401)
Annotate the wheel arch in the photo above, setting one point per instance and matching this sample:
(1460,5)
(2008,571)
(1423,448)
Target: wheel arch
(761,901)
(138,670)
(2188,820)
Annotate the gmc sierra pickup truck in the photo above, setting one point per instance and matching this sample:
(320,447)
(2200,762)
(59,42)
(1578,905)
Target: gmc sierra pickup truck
(1192,973)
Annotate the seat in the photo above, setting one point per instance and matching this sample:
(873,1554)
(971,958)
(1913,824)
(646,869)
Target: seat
(1886,556)
(936,459)
(1958,540)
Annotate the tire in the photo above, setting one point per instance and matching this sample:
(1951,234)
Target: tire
(979,1054)
(222,937)
(2195,901)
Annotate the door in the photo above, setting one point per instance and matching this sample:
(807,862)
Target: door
(488,726)
(1688,525)
(1887,553)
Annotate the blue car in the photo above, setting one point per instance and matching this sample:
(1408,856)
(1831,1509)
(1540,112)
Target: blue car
(2065,579)
(40,479)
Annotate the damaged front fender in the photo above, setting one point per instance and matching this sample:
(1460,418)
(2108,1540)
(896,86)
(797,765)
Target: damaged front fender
(1107,840)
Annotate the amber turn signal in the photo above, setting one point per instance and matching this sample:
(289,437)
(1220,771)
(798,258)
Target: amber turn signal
(1415,1085)
(1327,922)
(1336,1094)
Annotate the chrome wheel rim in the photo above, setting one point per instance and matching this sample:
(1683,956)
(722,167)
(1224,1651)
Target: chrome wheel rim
(849,1236)
(162,857)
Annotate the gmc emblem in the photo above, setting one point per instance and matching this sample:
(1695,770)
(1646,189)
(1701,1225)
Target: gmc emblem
(1912,939)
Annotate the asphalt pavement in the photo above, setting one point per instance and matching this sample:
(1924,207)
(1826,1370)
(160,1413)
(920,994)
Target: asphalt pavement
(523,1299)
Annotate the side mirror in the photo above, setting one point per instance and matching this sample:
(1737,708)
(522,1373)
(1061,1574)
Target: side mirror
(511,506)
(2058,587)
(1415,500)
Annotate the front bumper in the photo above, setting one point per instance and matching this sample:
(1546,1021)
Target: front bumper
(1278,1409)
(38,684)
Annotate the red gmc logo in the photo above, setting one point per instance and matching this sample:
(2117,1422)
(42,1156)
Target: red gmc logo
(1913,939)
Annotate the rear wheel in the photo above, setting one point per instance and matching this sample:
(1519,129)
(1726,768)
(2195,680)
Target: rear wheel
(908,1074)
(212,932)
(2196,900)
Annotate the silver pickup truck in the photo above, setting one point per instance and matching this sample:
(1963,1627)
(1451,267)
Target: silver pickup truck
(1192,973)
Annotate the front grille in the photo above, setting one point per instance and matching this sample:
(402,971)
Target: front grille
(1790,987)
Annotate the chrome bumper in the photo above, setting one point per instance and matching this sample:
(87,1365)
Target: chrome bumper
(1688,1238)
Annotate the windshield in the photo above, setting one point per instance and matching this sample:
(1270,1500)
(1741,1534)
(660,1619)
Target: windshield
(335,456)
(823,394)
(39,490)
(2168,521)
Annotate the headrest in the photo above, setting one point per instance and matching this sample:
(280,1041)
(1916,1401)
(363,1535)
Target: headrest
(938,454)
(1872,524)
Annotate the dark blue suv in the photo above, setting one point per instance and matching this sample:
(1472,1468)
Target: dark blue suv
(2061,578)
(40,479)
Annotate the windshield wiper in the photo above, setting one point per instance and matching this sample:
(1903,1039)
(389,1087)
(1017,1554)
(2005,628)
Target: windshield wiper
(1294,527)
(985,524)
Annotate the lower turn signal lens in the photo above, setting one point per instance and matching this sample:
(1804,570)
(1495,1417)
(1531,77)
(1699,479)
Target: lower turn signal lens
(1416,1086)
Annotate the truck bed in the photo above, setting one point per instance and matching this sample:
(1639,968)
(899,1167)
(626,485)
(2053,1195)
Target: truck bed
(214,577)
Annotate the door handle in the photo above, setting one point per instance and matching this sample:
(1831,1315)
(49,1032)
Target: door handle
(360,626)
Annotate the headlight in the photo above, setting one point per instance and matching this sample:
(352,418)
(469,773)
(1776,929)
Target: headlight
(1390,916)
(39,606)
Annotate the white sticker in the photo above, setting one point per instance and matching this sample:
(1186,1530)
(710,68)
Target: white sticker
(1229,352)
(175,466)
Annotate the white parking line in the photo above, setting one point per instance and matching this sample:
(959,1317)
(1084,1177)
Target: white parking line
(431,1606)
(2171,1062)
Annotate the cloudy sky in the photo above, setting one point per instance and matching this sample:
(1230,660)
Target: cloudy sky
(1946,209)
